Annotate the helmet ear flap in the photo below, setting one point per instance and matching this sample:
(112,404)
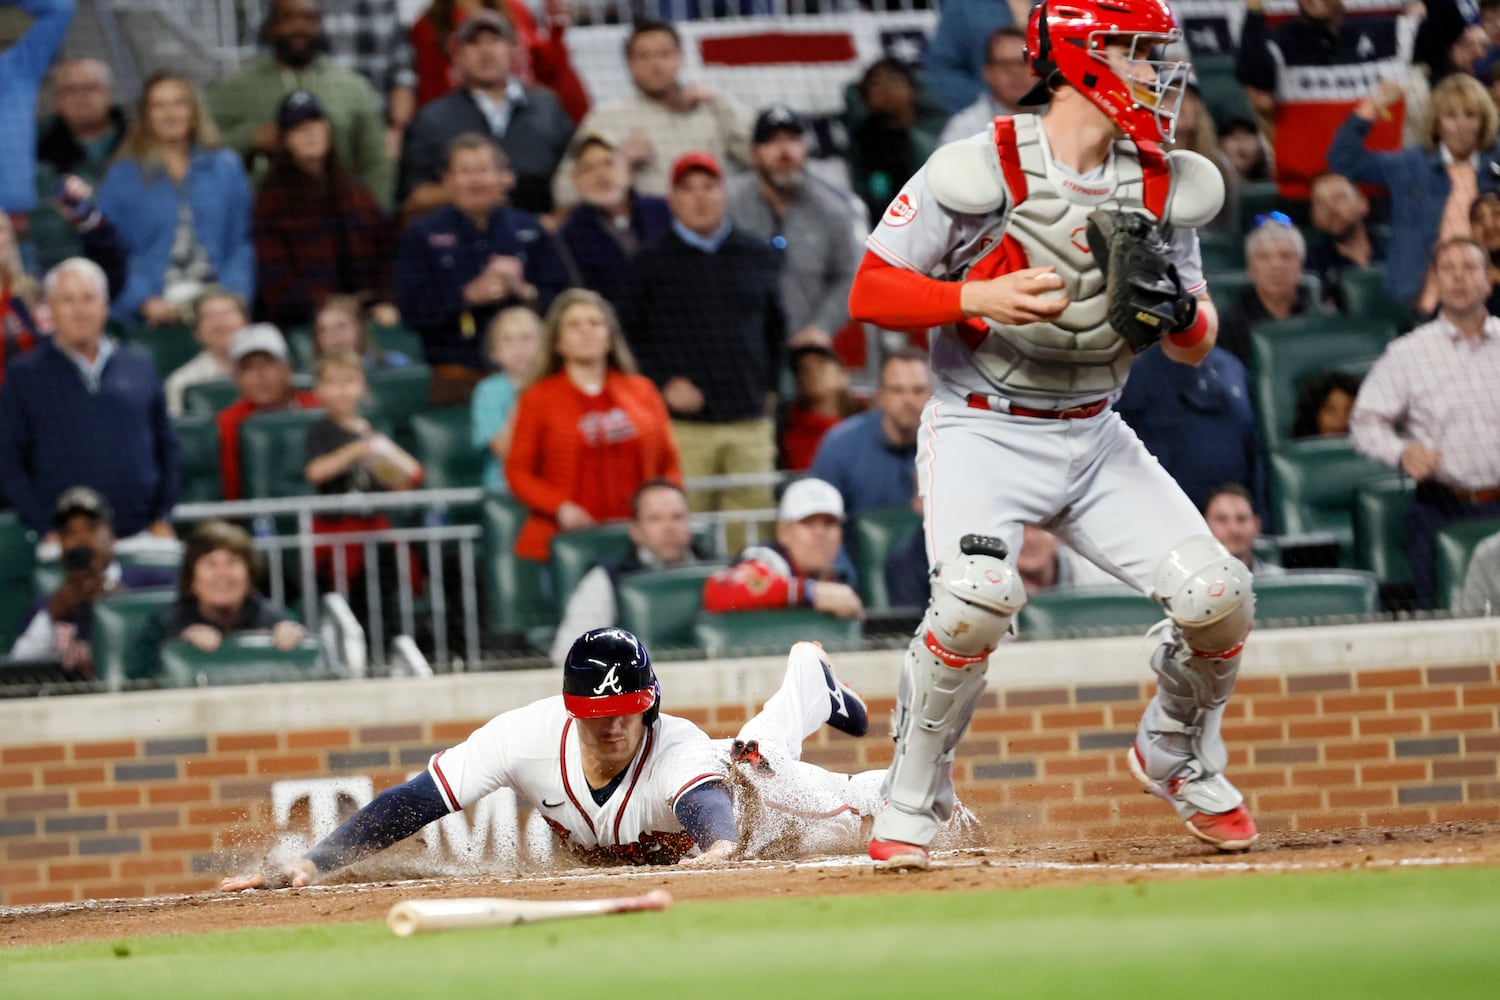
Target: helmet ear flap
(654,711)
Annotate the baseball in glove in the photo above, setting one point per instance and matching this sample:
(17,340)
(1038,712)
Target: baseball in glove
(1142,288)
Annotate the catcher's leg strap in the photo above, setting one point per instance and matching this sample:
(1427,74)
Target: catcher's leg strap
(975,594)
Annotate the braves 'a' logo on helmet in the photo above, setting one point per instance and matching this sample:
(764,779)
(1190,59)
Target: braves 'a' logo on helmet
(610,683)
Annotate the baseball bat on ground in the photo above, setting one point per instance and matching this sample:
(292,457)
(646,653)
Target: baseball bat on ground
(417,916)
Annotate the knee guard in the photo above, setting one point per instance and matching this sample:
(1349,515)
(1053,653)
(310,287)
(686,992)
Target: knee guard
(975,594)
(1207,594)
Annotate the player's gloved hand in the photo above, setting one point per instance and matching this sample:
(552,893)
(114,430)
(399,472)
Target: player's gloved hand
(294,875)
(1143,291)
(716,853)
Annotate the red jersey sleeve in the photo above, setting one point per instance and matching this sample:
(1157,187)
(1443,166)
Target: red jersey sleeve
(900,299)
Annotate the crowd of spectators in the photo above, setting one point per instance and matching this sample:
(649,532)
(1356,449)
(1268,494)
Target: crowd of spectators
(629,292)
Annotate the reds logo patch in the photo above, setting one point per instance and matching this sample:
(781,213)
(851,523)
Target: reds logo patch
(1079,242)
(902,210)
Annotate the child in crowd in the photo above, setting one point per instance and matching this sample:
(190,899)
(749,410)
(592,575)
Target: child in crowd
(511,342)
(346,455)
(341,325)
(823,399)
(1324,404)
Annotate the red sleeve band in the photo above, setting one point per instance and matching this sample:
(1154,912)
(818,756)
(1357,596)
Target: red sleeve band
(1193,334)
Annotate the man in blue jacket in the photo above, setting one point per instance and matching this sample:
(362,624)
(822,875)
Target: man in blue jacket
(21,69)
(82,411)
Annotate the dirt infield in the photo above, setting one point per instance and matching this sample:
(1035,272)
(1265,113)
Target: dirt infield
(990,868)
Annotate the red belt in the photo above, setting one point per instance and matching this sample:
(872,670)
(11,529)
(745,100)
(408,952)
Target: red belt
(1083,411)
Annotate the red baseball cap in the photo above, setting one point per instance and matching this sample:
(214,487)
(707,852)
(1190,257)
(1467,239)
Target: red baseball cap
(696,160)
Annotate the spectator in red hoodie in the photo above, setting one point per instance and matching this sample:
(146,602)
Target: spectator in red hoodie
(805,566)
(264,377)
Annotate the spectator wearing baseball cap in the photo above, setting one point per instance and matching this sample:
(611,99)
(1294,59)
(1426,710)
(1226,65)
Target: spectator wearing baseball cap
(263,375)
(80,409)
(318,230)
(809,222)
(246,106)
(701,308)
(56,628)
(526,122)
(611,221)
(804,568)
(662,117)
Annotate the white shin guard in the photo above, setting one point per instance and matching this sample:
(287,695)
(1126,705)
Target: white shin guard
(975,594)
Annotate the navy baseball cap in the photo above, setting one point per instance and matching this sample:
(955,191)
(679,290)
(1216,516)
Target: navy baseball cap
(297,107)
(776,118)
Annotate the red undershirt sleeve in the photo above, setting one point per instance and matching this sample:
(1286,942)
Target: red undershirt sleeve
(898,299)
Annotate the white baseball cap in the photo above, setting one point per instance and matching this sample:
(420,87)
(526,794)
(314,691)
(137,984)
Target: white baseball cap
(257,338)
(808,497)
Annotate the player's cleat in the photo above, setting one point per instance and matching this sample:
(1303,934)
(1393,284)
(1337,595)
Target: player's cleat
(748,752)
(1231,830)
(847,711)
(894,856)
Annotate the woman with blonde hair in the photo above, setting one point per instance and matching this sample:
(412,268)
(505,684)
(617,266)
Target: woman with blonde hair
(588,430)
(180,208)
(1432,187)
(18,298)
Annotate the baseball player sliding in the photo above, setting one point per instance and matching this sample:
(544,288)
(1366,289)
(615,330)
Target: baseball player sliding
(621,782)
(1048,250)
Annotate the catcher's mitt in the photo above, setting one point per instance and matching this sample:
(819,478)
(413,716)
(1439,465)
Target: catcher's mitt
(1144,293)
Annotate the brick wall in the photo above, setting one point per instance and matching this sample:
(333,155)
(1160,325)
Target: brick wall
(1314,746)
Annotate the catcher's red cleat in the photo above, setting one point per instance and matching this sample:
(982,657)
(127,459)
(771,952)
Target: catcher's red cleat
(894,856)
(1231,830)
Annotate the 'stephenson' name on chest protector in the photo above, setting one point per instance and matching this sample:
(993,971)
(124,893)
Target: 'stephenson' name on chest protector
(1079,353)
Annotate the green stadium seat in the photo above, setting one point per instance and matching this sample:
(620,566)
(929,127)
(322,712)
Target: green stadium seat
(122,636)
(273,452)
(771,633)
(400,393)
(1060,614)
(1364,295)
(1315,594)
(1313,486)
(1223,95)
(876,533)
(1221,252)
(198,458)
(208,398)
(1225,288)
(1287,353)
(516,589)
(402,339)
(241,660)
(302,347)
(1257,198)
(661,606)
(17,555)
(168,347)
(574,553)
(1455,544)
(1380,544)
(441,442)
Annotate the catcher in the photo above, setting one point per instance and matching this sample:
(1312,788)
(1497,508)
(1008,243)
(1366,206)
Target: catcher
(1048,250)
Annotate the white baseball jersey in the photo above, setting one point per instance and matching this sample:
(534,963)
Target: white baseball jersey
(534,751)
(1041,221)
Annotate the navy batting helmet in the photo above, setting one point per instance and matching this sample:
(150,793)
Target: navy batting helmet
(608,672)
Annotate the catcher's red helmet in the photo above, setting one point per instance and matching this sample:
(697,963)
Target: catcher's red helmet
(1069,39)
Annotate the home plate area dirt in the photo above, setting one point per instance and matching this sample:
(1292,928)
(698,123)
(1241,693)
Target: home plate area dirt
(1012,866)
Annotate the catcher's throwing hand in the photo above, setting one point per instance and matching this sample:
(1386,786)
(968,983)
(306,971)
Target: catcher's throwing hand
(1144,293)
(293,875)
(1014,299)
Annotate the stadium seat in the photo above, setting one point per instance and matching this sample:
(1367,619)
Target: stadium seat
(398,338)
(516,592)
(1258,198)
(249,659)
(273,452)
(399,394)
(303,350)
(661,606)
(208,398)
(1287,353)
(1455,544)
(1221,252)
(1380,544)
(17,555)
(198,458)
(876,533)
(574,553)
(1223,95)
(1364,295)
(1225,287)
(168,347)
(771,633)
(1314,594)
(1313,486)
(441,442)
(121,637)
(1060,614)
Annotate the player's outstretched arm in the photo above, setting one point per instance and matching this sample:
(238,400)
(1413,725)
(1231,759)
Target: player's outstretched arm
(707,813)
(394,815)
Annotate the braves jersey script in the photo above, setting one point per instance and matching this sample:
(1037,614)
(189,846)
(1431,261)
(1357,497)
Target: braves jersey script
(534,751)
(1078,358)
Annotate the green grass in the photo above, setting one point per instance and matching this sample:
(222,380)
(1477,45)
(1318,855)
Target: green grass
(1416,933)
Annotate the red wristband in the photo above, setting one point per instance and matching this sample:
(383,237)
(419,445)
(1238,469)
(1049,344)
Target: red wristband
(1193,334)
